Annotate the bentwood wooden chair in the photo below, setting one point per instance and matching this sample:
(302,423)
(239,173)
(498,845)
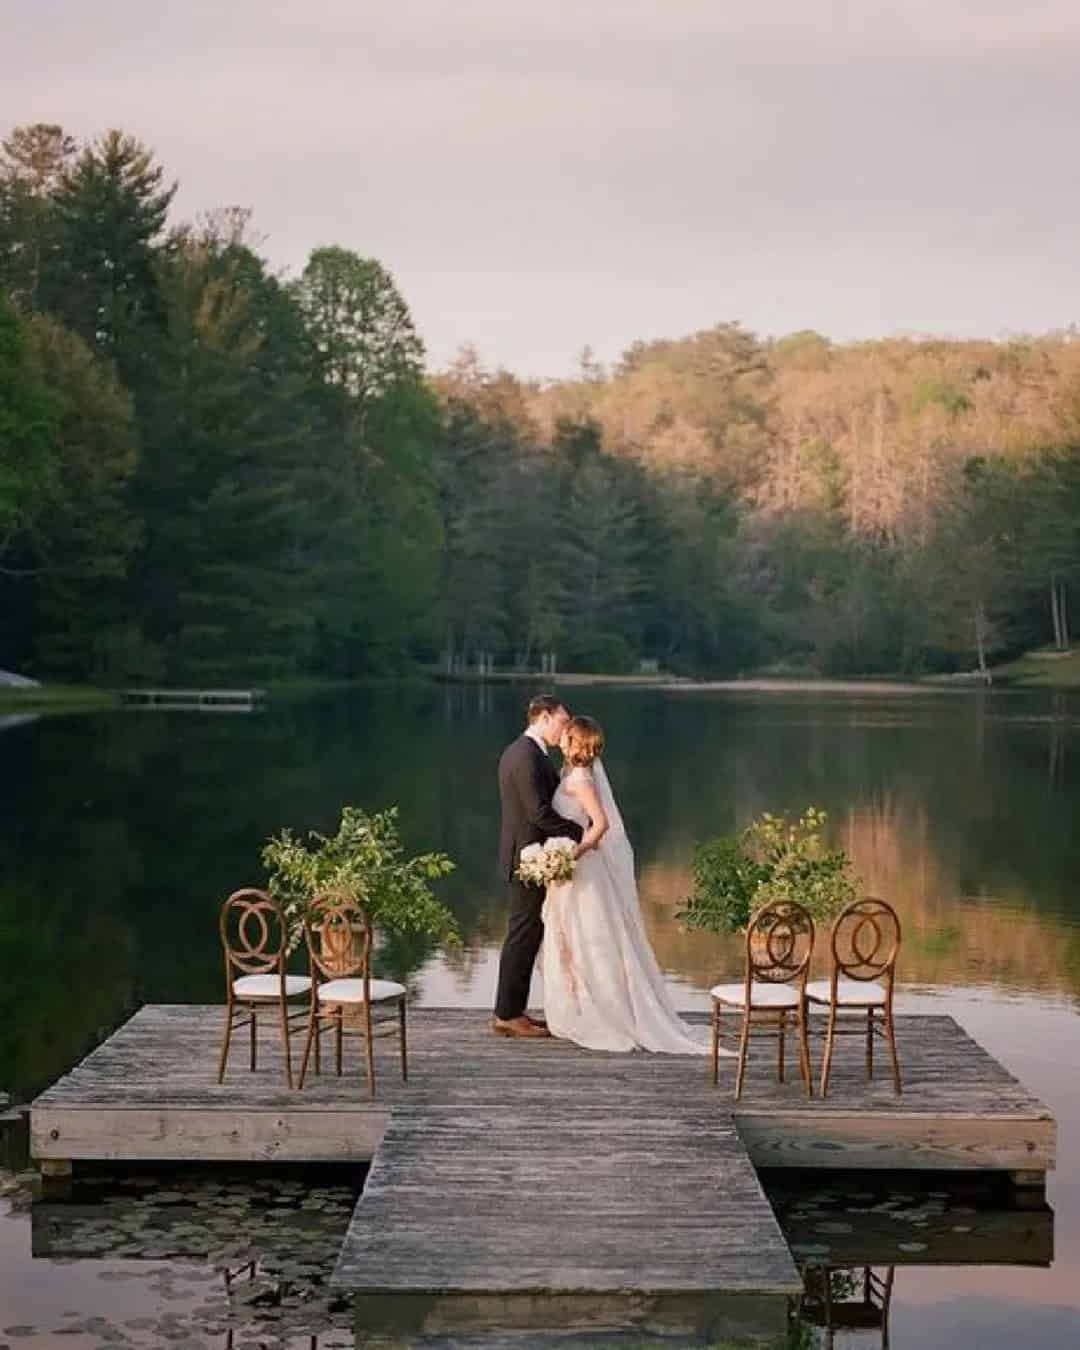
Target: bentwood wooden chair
(770,997)
(254,939)
(865,943)
(344,997)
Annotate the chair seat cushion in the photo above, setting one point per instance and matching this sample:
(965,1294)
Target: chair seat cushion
(352,991)
(269,986)
(762,995)
(853,993)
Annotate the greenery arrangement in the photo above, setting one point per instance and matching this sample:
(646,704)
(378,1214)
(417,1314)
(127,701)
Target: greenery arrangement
(365,860)
(773,859)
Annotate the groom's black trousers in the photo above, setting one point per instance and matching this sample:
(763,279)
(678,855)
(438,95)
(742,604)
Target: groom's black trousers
(523,938)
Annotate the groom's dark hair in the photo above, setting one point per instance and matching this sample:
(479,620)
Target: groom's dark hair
(541,704)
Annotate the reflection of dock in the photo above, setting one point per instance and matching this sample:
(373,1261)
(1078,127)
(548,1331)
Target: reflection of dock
(908,1220)
(626,1181)
(854,1236)
(284,1252)
(206,700)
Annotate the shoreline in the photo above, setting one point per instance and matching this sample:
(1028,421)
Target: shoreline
(768,685)
(61,698)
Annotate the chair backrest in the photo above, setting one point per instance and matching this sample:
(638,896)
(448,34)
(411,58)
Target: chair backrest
(779,943)
(253,932)
(339,937)
(866,941)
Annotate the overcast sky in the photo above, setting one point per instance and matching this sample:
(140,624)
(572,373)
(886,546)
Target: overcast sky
(541,174)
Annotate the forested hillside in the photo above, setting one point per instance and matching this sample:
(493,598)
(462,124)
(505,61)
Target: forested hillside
(211,470)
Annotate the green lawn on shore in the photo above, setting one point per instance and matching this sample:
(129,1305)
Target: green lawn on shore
(1043,667)
(55,697)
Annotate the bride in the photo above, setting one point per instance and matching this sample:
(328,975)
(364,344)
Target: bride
(602,985)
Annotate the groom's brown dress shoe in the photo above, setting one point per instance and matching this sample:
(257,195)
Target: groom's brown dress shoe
(536,1021)
(519,1028)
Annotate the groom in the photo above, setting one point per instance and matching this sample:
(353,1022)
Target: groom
(527,783)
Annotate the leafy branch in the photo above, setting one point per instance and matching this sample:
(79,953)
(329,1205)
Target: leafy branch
(773,859)
(366,861)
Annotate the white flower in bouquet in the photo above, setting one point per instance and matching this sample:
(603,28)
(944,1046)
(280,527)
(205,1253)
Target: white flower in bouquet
(543,864)
(559,858)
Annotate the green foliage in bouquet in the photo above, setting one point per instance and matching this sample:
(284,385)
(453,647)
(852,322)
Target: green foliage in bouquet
(772,859)
(366,861)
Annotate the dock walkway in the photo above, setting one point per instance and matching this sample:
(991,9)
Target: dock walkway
(508,1170)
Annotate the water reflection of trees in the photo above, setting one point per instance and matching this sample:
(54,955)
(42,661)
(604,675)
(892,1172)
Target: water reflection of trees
(947,807)
(125,830)
(950,937)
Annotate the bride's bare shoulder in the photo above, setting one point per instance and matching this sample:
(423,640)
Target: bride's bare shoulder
(578,776)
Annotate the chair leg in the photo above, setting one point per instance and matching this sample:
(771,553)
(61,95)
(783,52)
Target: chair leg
(254,1040)
(869,1042)
(312,1018)
(225,1043)
(285,1041)
(826,1066)
(744,1045)
(339,1034)
(370,1048)
(890,1036)
(780,1030)
(404,1041)
(715,1043)
(805,1067)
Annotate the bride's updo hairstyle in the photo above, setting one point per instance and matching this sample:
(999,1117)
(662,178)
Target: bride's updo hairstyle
(584,741)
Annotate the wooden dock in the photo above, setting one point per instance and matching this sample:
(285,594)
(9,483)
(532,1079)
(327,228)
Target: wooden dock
(218,700)
(507,1171)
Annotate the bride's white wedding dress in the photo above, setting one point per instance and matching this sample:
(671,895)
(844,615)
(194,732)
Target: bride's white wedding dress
(602,986)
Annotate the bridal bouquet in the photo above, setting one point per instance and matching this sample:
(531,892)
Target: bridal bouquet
(543,864)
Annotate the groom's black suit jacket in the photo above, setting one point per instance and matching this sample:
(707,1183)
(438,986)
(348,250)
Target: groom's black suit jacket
(527,783)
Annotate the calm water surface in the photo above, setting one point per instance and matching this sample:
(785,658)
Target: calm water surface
(121,832)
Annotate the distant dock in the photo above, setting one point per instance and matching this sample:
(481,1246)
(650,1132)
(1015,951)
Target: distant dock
(624,1181)
(221,700)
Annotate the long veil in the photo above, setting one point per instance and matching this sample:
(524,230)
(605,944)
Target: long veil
(603,986)
(615,847)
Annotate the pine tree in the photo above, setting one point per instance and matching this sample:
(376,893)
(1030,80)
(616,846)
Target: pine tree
(111,205)
(379,558)
(29,458)
(360,324)
(601,543)
(89,533)
(220,581)
(33,160)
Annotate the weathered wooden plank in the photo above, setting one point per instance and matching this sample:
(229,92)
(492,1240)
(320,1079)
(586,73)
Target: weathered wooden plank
(897,1142)
(560,1204)
(193,1134)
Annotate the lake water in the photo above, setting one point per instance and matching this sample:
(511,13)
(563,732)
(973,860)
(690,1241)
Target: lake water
(123,831)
